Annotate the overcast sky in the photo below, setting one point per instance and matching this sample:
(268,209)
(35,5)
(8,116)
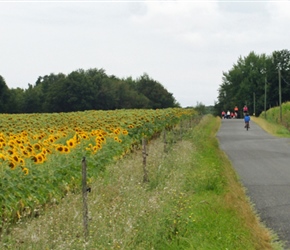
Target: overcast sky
(184,45)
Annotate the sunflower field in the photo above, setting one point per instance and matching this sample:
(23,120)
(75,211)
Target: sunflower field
(40,154)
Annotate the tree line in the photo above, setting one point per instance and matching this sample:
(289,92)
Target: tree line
(258,81)
(83,90)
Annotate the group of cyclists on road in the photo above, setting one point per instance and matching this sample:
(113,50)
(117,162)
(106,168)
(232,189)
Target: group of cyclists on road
(235,113)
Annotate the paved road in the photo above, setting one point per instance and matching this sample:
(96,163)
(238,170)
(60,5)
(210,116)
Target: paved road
(262,162)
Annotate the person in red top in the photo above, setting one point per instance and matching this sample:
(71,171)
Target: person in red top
(245,109)
(236,110)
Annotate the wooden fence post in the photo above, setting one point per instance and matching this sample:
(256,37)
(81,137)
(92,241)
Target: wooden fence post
(144,154)
(85,203)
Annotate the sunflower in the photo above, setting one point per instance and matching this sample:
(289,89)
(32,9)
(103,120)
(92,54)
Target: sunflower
(19,141)
(104,133)
(2,156)
(84,136)
(40,158)
(22,162)
(125,132)
(100,140)
(51,139)
(10,151)
(94,132)
(15,158)
(36,146)
(12,165)
(59,148)
(56,137)
(44,151)
(25,171)
(71,143)
(45,142)
(95,149)
(29,149)
(25,153)
(64,134)
(24,133)
(66,149)
(34,158)
(117,131)
(11,144)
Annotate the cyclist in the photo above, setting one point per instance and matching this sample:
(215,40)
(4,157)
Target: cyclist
(247,119)
(245,109)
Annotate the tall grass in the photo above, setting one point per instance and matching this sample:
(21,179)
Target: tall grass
(271,122)
(193,200)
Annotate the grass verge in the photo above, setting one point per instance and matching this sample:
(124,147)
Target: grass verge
(272,128)
(193,200)
(276,120)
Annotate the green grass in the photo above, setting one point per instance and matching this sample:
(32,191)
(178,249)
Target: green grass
(272,122)
(193,200)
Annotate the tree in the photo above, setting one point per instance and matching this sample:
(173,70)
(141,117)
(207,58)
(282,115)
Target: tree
(244,84)
(280,60)
(85,90)
(16,101)
(159,97)
(4,95)
(32,101)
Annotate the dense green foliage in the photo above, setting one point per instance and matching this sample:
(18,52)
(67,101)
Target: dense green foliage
(3,94)
(254,81)
(83,90)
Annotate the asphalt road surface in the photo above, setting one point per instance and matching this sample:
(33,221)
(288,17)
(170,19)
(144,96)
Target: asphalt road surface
(262,162)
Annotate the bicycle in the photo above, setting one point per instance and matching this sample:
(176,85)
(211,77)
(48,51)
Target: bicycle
(247,126)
